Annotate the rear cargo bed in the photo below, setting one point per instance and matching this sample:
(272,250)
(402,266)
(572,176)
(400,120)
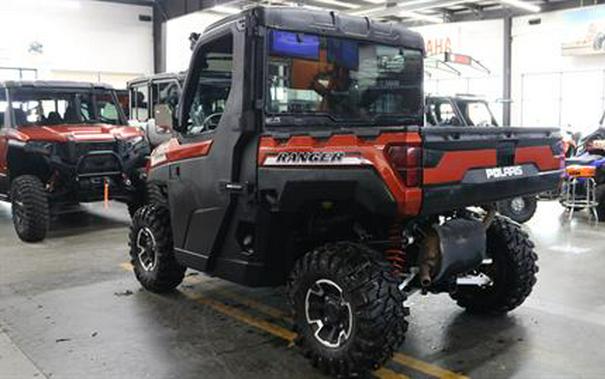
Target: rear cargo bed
(465,166)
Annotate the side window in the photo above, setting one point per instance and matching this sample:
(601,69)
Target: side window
(445,114)
(139,102)
(429,111)
(108,110)
(3,106)
(167,93)
(213,86)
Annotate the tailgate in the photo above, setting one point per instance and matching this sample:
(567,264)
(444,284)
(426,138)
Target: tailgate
(474,166)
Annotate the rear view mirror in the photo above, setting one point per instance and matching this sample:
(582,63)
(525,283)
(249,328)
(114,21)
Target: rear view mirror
(164,118)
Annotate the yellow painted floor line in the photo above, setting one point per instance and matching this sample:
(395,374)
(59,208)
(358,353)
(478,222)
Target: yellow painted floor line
(402,359)
(126,266)
(289,336)
(385,373)
(269,327)
(426,368)
(263,308)
(244,317)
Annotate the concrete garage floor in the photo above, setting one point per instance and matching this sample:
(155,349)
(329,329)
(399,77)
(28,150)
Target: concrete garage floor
(70,308)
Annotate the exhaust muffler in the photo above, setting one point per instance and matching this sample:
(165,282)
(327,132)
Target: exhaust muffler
(450,249)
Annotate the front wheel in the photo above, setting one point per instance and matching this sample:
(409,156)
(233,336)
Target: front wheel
(152,250)
(30,208)
(349,312)
(520,209)
(136,203)
(512,271)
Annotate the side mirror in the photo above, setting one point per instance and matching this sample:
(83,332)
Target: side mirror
(164,119)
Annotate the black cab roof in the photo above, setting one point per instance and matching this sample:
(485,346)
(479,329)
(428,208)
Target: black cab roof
(328,23)
(180,76)
(464,97)
(50,84)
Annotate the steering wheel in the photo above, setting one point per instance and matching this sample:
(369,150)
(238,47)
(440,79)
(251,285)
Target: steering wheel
(209,123)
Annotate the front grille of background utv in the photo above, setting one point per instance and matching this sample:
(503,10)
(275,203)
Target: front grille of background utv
(85,148)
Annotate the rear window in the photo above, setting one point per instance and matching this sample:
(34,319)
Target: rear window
(343,79)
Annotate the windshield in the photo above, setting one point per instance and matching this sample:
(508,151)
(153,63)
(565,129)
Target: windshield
(342,80)
(476,113)
(37,107)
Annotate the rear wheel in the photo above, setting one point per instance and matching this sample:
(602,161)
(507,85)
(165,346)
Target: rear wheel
(512,271)
(349,312)
(520,209)
(30,208)
(152,250)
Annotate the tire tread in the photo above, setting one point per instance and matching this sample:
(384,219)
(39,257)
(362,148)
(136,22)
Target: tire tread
(378,304)
(169,273)
(29,190)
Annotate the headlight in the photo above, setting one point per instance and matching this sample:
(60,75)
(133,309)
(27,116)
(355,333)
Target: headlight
(131,143)
(135,141)
(39,147)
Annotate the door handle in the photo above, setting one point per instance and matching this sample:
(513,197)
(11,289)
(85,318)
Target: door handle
(236,188)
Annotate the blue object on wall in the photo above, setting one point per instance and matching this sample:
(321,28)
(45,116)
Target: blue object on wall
(297,45)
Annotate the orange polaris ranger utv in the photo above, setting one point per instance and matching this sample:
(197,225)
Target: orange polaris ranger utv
(300,160)
(65,143)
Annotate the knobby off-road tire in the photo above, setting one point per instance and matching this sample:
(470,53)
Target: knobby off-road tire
(155,195)
(137,202)
(513,271)
(133,207)
(377,312)
(152,250)
(507,208)
(30,208)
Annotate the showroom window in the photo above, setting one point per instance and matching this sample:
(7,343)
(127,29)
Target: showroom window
(214,86)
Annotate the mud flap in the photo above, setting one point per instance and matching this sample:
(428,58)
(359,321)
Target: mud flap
(463,244)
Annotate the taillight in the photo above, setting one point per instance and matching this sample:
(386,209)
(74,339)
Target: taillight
(407,161)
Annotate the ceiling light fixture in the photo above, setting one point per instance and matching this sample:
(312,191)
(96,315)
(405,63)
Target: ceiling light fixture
(338,3)
(407,6)
(225,9)
(67,4)
(523,5)
(422,17)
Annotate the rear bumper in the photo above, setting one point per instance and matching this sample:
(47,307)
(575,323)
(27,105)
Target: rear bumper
(453,196)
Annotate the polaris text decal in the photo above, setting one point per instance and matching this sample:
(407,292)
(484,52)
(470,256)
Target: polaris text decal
(302,158)
(504,172)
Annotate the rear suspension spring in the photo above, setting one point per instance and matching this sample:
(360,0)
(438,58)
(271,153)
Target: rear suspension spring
(395,252)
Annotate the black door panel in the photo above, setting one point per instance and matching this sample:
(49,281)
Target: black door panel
(200,209)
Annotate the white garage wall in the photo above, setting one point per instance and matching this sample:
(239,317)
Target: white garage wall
(178,30)
(76,36)
(549,88)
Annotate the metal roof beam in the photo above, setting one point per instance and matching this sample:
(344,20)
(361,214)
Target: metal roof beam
(146,3)
(177,8)
(500,13)
(406,6)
